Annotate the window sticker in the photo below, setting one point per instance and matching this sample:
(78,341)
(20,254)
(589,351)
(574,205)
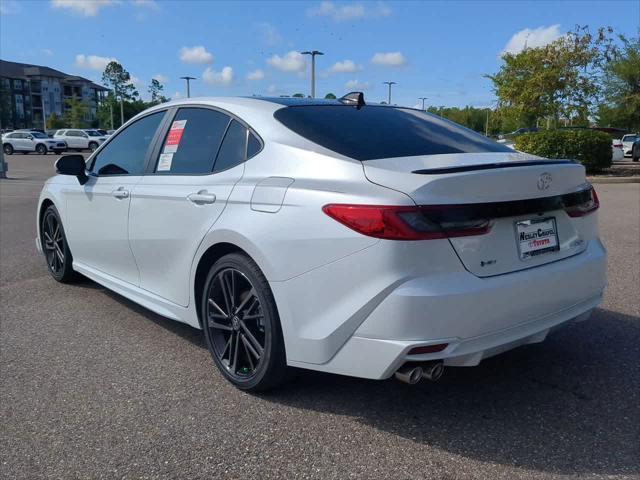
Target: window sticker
(164,164)
(174,136)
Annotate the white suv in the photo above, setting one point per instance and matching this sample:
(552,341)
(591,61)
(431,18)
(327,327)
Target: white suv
(31,141)
(80,139)
(627,144)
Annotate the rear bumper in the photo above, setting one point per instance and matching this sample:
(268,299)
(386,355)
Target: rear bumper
(476,317)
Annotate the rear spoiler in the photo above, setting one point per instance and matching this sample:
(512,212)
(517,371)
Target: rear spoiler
(490,166)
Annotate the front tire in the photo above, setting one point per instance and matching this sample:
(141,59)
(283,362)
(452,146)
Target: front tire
(93,146)
(241,324)
(8,149)
(55,247)
(41,149)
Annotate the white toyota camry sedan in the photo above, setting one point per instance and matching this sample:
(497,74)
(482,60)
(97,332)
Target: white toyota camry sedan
(338,236)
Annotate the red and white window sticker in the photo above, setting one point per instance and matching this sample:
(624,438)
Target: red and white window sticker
(174,136)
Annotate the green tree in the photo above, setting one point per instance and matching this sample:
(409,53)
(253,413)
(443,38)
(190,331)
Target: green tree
(118,80)
(155,90)
(560,80)
(75,113)
(330,96)
(621,87)
(298,95)
(55,121)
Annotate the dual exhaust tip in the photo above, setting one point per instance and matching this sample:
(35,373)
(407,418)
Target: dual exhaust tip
(412,374)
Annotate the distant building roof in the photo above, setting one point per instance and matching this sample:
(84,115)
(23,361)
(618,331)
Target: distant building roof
(26,70)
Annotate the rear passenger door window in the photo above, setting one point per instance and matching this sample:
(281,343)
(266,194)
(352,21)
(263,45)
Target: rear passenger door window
(192,143)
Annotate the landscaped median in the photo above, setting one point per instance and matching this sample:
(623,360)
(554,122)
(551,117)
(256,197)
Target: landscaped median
(589,147)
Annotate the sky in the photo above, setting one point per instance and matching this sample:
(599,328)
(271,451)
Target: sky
(439,50)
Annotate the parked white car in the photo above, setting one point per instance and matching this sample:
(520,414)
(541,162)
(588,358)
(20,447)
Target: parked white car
(627,144)
(617,154)
(362,240)
(26,141)
(77,139)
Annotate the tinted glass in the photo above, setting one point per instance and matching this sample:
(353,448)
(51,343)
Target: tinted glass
(234,147)
(93,133)
(39,135)
(126,153)
(253,146)
(382,132)
(192,143)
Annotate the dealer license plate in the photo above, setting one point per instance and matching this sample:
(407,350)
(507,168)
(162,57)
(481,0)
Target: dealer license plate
(536,237)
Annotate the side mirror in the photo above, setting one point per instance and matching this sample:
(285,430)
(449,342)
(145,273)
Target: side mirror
(72,165)
(30,137)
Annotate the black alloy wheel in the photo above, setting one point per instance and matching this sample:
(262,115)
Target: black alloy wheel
(55,247)
(241,324)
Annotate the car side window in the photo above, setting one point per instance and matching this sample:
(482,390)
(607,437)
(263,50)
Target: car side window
(253,146)
(233,149)
(192,142)
(125,154)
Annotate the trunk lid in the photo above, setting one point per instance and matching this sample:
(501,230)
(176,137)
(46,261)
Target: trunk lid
(521,193)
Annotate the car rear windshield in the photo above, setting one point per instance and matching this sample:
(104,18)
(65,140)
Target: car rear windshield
(374,131)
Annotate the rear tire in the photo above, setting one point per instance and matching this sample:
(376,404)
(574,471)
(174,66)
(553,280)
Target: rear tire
(93,146)
(8,149)
(241,324)
(55,247)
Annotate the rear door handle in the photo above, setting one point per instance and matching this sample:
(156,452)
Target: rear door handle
(202,197)
(120,192)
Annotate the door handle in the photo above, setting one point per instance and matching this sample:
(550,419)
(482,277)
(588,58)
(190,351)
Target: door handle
(202,197)
(120,193)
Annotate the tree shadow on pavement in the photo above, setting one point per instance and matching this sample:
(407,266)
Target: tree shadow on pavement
(570,405)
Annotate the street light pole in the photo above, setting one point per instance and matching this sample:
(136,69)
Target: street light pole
(188,79)
(423,99)
(389,83)
(313,54)
(121,111)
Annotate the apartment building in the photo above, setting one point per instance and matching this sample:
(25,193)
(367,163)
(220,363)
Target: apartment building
(31,93)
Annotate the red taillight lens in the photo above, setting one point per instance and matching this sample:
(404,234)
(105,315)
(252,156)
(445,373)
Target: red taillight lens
(406,223)
(591,204)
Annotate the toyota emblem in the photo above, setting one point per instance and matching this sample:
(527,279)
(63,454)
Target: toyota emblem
(544,181)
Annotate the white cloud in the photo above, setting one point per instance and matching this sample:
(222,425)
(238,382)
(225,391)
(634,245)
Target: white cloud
(150,4)
(48,52)
(197,54)
(161,78)
(346,66)
(291,62)
(269,33)
(357,85)
(88,8)
(272,89)
(537,37)
(93,62)
(349,11)
(9,7)
(255,75)
(223,77)
(177,95)
(389,59)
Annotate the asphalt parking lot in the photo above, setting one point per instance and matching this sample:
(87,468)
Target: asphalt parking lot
(93,386)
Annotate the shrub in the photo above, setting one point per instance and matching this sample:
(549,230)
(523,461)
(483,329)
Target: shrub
(589,147)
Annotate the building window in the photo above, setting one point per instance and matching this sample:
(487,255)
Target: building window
(17,84)
(6,83)
(19,106)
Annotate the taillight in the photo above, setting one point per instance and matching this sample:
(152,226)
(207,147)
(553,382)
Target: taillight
(408,223)
(589,204)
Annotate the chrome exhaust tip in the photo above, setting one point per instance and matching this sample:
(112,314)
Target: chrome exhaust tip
(432,371)
(409,374)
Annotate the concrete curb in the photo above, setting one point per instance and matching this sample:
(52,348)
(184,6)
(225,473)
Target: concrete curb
(613,179)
